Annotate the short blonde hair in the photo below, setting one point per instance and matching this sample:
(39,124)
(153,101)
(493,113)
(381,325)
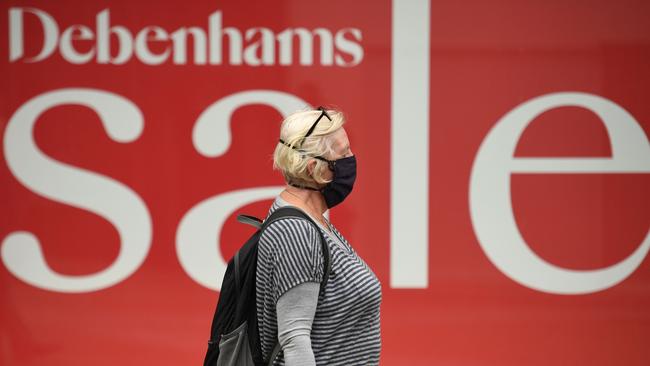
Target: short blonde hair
(293,162)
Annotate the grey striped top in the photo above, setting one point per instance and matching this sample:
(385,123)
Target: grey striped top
(345,330)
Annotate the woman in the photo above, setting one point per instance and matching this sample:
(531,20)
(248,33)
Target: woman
(338,325)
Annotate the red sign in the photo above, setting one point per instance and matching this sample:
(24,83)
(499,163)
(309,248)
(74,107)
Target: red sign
(502,196)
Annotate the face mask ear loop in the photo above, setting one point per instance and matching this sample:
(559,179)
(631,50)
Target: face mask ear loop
(330,163)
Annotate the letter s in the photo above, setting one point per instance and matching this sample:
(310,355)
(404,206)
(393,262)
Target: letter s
(108,198)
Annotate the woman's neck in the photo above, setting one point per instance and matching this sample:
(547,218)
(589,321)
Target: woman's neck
(310,201)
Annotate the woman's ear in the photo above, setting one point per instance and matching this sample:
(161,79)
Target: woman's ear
(311,165)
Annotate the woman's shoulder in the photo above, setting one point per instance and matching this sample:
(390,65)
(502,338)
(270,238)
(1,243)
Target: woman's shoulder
(291,228)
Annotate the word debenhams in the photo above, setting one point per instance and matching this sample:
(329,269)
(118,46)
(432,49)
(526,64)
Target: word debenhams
(154,45)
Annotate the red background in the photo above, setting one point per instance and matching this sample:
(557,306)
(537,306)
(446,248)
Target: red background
(486,58)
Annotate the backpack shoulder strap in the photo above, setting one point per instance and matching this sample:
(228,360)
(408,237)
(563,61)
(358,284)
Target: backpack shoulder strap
(250,220)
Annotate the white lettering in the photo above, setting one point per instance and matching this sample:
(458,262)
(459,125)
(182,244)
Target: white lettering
(179,40)
(60,182)
(306,38)
(409,147)
(491,205)
(142,50)
(104,32)
(234,39)
(266,43)
(200,228)
(352,48)
(211,134)
(16,34)
(67,49)
(257,48)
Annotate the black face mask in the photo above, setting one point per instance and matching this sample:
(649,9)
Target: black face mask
(345,173)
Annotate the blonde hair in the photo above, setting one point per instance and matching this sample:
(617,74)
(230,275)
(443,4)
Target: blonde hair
(293,162)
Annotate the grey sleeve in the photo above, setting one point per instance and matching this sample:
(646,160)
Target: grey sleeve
(296,309)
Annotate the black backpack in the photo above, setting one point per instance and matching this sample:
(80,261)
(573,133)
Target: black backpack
(234,337)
